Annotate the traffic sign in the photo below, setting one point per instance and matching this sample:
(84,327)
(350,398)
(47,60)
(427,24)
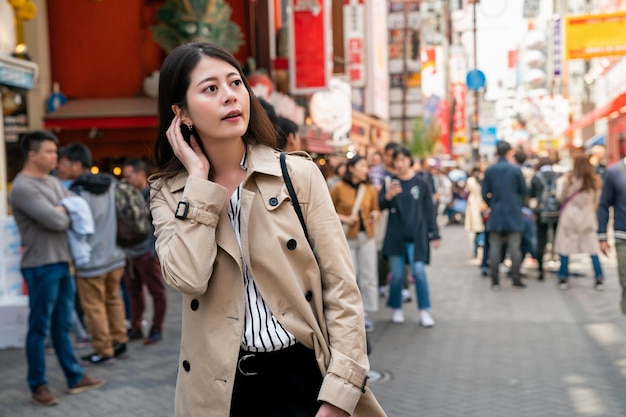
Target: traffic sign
(475,79)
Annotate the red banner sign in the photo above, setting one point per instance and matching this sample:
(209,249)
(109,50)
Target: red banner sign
(310,62)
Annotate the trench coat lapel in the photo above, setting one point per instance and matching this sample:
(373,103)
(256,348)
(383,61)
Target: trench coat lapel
(226,238)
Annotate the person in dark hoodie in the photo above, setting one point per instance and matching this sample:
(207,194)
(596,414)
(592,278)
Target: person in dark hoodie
(98,280)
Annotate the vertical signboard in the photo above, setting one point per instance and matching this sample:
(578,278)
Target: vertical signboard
(310,40)
(376,97)
(556,46)
(353,35)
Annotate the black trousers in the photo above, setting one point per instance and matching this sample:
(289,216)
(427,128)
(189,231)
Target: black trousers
(284,383)
(542,240)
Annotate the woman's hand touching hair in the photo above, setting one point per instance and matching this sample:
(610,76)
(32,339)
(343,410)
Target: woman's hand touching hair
(190,154)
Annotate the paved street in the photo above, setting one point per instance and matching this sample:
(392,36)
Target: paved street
(536,352)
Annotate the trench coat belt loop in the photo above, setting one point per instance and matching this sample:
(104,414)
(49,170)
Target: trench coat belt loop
(241,360)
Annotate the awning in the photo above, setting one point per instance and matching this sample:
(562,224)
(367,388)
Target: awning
(596,140)
(105,113)
(597,114)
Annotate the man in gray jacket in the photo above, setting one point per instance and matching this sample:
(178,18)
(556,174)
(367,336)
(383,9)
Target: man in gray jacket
(98,280)
(43,223)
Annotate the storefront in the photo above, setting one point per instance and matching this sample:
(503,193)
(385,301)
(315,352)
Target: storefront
(16,78)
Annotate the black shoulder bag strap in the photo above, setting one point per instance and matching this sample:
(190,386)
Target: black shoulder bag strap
(292,193)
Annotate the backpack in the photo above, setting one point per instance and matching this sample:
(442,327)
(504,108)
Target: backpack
(548,205)
(133,215)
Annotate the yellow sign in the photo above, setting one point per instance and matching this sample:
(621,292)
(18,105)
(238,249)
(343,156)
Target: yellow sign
(590,36)
(545,144)
(459,140)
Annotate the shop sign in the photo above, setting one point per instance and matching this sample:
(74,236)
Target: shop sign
(592,36)
(310,45)
(15,77)
(354,38)
(15,116)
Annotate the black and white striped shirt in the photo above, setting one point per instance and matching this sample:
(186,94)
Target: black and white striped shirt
(262,332)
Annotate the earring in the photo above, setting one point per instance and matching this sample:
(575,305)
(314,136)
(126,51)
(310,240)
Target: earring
(189,126)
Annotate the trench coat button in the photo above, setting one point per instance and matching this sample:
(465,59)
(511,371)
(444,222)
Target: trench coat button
(186,366)
(291,244)
(195,304)
(273,201)
(308,295)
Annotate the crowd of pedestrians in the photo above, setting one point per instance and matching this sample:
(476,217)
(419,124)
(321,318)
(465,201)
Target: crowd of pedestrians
(73,266)
(521,209)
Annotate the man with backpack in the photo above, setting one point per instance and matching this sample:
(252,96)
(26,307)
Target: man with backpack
(98,281)
(143,267)
(543,188)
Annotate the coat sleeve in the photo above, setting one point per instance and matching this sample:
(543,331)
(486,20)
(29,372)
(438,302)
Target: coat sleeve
(187,248)
(344,381)
(607,199)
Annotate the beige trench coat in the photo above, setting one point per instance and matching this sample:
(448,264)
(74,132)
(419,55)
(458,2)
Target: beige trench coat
(318,302)
(577,229)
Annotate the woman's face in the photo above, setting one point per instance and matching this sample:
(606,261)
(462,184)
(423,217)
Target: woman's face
(402,164)
(218,103)
(359,171)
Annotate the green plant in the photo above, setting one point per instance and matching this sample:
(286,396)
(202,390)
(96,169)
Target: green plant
(182,21)
(425,137)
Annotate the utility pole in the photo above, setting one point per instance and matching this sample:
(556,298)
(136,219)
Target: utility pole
(475,138)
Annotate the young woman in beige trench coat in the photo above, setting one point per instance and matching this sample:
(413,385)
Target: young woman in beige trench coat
(271,325)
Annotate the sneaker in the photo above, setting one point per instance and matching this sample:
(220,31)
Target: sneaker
(82,343)
(519,285)
(484,271)
(426,319)
(406,295)
(397,316)
(86,384)
(369,325)
(599,285)
(135,334)
(95,359)
(119,349)
(43,396)
(153,337)
(562,284)
(495,287)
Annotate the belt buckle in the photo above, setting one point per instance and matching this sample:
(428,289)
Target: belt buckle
(241,360)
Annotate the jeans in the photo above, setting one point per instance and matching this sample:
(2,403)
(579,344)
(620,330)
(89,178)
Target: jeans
(418,270)
(51,290)
(564,268)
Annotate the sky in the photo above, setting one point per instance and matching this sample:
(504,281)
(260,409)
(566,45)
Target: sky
(500,28)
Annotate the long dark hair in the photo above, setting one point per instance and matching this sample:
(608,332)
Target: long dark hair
(174,82)
(584,170)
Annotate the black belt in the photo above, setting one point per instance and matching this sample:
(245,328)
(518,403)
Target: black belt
(254,363)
